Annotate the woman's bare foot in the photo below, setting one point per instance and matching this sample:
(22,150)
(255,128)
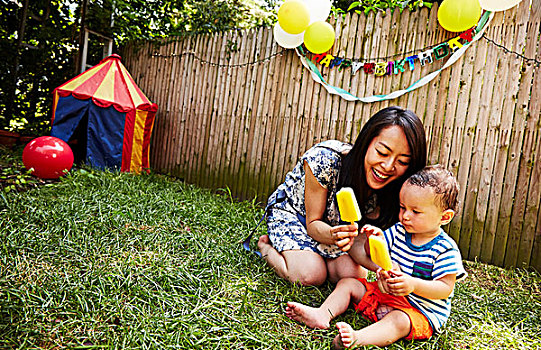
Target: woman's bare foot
(310,316)
(347,337)
(264,244)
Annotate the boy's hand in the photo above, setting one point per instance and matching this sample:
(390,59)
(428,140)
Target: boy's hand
(399,283)
(344,236)
(369,230)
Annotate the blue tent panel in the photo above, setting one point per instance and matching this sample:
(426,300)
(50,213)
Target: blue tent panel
(105,130)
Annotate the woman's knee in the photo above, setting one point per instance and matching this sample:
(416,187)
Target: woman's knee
(309,277)
(314,274)
(344,267)
(306,268)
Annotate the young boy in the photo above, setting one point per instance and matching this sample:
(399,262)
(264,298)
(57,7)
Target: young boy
(413,300)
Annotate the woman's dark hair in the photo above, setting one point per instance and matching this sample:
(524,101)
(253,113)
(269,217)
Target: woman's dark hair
(352,173)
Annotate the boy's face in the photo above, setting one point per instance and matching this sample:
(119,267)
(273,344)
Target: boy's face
(418,210)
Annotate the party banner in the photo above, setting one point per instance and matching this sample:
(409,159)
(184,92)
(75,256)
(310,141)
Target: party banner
(456,47)
(382,68)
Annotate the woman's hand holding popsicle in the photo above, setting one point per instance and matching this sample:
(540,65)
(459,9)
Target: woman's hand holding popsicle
(344,236)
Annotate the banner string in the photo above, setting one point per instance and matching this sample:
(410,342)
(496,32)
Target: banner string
(212,64)
(536,62)
(506,50)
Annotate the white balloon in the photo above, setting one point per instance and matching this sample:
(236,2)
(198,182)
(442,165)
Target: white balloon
(498,5)
(319,9)
(286,40)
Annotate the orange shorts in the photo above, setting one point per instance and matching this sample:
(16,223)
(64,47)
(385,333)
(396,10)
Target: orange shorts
(420,327)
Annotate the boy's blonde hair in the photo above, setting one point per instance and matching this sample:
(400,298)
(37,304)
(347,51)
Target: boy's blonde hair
(442,181)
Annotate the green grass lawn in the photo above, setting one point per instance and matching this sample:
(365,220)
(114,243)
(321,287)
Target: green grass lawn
(108,260)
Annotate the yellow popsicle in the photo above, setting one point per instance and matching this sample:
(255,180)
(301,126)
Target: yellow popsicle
(379,252)
(347,205)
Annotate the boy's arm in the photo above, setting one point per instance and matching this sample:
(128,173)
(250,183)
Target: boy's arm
(359,255)
(404,284)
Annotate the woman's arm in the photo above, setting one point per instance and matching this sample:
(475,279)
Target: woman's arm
(315,201)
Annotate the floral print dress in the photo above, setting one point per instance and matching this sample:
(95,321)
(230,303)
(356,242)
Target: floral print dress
(285,225)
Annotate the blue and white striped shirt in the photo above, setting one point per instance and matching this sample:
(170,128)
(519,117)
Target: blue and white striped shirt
(431,261)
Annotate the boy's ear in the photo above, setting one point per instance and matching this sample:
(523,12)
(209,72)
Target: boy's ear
(447,216)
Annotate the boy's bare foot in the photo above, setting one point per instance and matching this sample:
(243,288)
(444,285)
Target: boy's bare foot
(347,337)
(310,316)
(264,244)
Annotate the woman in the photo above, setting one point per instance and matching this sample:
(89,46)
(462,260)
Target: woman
(390,147)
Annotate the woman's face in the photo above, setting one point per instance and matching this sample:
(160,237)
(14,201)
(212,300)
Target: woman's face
(387,157)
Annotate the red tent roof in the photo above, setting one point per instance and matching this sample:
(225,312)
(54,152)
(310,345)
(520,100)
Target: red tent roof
(108,83)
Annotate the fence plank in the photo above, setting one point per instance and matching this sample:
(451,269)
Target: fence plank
(510,183)
(353,50)
(532,158)
(431,89)
(258,114)
(244,110)
(517,31)
(384,45)
(273,117)
(367,48)
(179,123)
(190,126)
(254,73)
(211,178)
(168,118)
(209,93)
(474,181)
(235,109)
(201,84)
(490,149)
(281,122)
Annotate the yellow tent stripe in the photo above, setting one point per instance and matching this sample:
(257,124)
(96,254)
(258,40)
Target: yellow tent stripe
(55,103)
(104,91)
(136,164)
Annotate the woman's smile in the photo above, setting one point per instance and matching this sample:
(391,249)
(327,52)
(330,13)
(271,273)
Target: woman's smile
(387,157)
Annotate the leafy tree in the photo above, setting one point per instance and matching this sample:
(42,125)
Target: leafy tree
(37,39)
(381,5)
(40,42)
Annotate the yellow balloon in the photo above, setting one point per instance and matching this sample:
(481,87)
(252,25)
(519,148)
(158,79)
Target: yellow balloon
(319,37)
(293,16)
(459,15)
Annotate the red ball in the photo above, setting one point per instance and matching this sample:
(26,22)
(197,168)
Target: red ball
(49,156)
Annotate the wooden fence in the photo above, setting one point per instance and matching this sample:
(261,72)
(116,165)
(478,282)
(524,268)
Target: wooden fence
(236,111)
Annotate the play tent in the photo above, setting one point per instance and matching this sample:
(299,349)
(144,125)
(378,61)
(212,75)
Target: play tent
(107,117)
